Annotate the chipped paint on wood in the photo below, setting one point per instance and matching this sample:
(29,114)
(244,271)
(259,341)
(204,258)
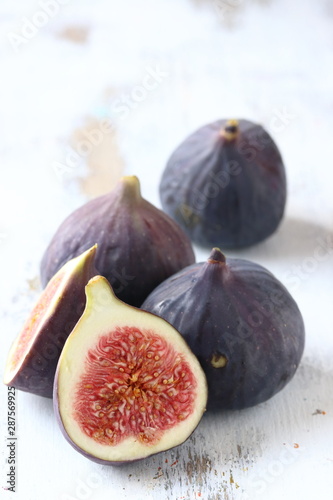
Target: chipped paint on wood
(75,34)
(103,158)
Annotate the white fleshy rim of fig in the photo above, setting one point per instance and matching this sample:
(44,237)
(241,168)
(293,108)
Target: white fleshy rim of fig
(103,311)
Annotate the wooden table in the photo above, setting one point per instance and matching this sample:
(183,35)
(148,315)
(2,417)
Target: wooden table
(156,71)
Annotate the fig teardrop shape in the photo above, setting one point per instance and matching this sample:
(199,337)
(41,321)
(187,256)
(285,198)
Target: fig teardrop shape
(127,385)
(139,246)
(225,184)
(33,357)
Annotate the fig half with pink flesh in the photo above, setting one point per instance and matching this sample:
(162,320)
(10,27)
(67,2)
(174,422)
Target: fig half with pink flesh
(33,357)
(127,385)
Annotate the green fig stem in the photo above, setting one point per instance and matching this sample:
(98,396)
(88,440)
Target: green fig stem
(216,257)
(131,187)
(230,130)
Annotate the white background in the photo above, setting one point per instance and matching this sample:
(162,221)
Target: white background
(267,61)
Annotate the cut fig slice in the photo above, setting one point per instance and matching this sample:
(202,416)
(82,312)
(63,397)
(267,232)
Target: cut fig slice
(127,385)
(33,356)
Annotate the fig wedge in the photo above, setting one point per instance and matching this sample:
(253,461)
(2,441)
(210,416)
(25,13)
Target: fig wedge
(33,357)
(127,385)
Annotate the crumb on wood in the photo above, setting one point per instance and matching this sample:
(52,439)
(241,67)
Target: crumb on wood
(319,412)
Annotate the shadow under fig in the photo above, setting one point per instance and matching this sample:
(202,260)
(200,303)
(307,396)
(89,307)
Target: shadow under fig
(299,408)
(293,238)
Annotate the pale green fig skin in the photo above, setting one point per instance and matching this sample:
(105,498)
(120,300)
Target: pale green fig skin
(240,321)
(65,364)
(37,371)
(139,246)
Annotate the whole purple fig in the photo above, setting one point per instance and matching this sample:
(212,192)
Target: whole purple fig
(240,321)
(139,246)
(225,184)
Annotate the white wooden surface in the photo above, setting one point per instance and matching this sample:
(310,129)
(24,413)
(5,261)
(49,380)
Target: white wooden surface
(269,61)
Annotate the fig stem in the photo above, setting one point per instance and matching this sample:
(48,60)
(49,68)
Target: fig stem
(230,130)
(131,187)
(216,257)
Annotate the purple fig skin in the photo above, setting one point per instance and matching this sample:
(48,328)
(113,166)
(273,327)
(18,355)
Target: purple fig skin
(226,185)
(139,246)
(36,373)
(66,367)
(240,321)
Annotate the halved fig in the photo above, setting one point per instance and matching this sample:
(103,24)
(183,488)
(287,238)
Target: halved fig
(33,357)
(139,246)
(127,385)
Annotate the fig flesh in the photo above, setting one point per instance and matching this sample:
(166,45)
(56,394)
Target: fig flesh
(241,322)
(225,184)
(33,357)
(139,246)
(127,385)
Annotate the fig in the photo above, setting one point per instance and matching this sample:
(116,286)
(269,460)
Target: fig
(127,385)
(225,184)
(242,324)
(33,356)
(139,246)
